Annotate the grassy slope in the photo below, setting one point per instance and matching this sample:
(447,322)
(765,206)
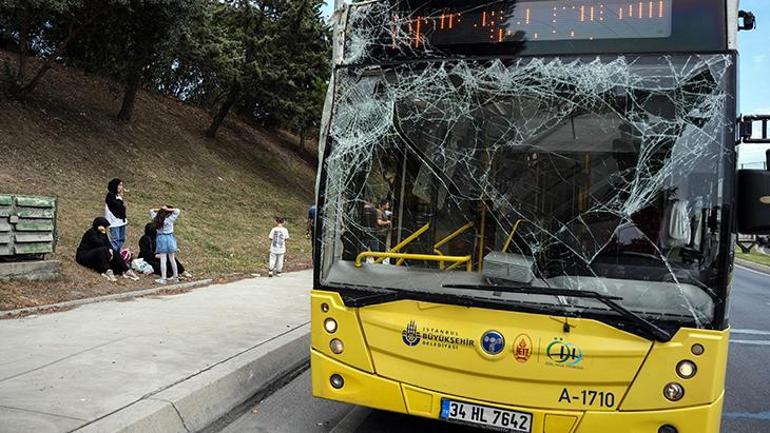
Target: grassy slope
(754,256)
(65,141)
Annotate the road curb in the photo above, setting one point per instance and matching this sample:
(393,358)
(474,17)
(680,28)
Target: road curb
(193,403)
(753,266)
(105,298)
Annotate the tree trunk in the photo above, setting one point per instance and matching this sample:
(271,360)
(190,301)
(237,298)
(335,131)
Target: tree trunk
(26,89)
(302,139)
(129,97)
(224,109)
(23,44)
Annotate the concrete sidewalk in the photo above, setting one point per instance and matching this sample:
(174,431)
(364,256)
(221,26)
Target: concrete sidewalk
(155,364)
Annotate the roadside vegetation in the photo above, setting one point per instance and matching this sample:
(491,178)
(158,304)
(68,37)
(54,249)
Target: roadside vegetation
(754,256)
(211,106)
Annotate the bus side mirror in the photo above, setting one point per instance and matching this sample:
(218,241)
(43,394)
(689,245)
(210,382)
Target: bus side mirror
(753,202)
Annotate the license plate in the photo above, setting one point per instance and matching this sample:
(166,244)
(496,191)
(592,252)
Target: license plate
(499,419)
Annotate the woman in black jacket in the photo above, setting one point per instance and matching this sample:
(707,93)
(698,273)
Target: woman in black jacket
(115,212)
(95,251)
(147,251)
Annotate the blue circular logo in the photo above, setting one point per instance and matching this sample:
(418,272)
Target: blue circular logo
(492,342)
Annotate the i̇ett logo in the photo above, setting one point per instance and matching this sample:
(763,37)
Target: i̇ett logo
(522,348)
(564,353)
(410,335)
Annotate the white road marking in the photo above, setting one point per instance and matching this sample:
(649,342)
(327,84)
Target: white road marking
(749,332)
(752,342)
(752,270)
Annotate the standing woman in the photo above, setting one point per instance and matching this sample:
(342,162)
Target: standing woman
(165,243)
(115,212)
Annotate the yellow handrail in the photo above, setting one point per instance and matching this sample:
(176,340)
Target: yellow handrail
(455,234)
(510,238)
(406,256)
(441,243)
(406,241)
(481,237)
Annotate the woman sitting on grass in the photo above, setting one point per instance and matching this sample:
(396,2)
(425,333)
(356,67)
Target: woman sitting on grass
(147,251)
(165,243)
(95,252)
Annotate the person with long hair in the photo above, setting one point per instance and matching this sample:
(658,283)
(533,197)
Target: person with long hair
(165,242)
(115,213)
(147,251)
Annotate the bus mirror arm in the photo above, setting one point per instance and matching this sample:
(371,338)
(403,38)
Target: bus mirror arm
(753,186)
(749,20)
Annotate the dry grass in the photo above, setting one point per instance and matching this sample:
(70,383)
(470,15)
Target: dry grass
(754,256)
(64,141)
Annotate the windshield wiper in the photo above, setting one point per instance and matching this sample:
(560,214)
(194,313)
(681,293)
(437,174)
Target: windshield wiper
(652,329)
(368,295)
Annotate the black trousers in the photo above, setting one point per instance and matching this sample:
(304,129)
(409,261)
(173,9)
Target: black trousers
(99,260)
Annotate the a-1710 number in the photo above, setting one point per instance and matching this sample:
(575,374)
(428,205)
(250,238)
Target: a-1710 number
(588,397)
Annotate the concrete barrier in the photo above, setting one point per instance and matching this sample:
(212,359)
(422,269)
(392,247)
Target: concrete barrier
(35,270)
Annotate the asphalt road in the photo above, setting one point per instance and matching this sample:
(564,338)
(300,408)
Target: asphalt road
(291,409)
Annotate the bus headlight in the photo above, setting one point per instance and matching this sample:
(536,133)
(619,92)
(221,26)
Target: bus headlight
(697,349)
(686,369)
(330,325)
(673,391)
(337,381)
(336,346)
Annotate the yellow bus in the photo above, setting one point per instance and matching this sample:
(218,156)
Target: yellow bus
(526,212)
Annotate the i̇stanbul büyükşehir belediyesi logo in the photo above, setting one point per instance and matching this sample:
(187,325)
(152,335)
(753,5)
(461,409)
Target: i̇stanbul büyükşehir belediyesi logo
(434,337)
(411,335)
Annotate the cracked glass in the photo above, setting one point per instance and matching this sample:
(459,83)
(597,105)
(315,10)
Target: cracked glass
(602,173)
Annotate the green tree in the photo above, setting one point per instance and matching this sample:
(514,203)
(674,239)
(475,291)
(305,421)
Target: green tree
(150,28)
(278,51)
(308,72)
(248,31)
(43,28)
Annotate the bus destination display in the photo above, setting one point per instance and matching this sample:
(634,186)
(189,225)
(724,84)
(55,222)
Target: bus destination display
(514,21)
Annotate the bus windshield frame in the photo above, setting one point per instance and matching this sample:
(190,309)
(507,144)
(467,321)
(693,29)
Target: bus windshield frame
(629,144)
(398,30)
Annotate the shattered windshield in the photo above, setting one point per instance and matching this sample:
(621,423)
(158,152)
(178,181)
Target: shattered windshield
(595,173)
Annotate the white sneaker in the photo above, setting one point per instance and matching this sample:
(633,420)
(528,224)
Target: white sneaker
(161,281)
(270,274)
(187,274)
(130,275)
(110,275)
(174,280)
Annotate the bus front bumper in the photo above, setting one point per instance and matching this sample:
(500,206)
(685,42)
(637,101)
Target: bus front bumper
(373,391)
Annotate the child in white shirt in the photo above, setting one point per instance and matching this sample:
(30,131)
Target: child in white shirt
(278,236)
